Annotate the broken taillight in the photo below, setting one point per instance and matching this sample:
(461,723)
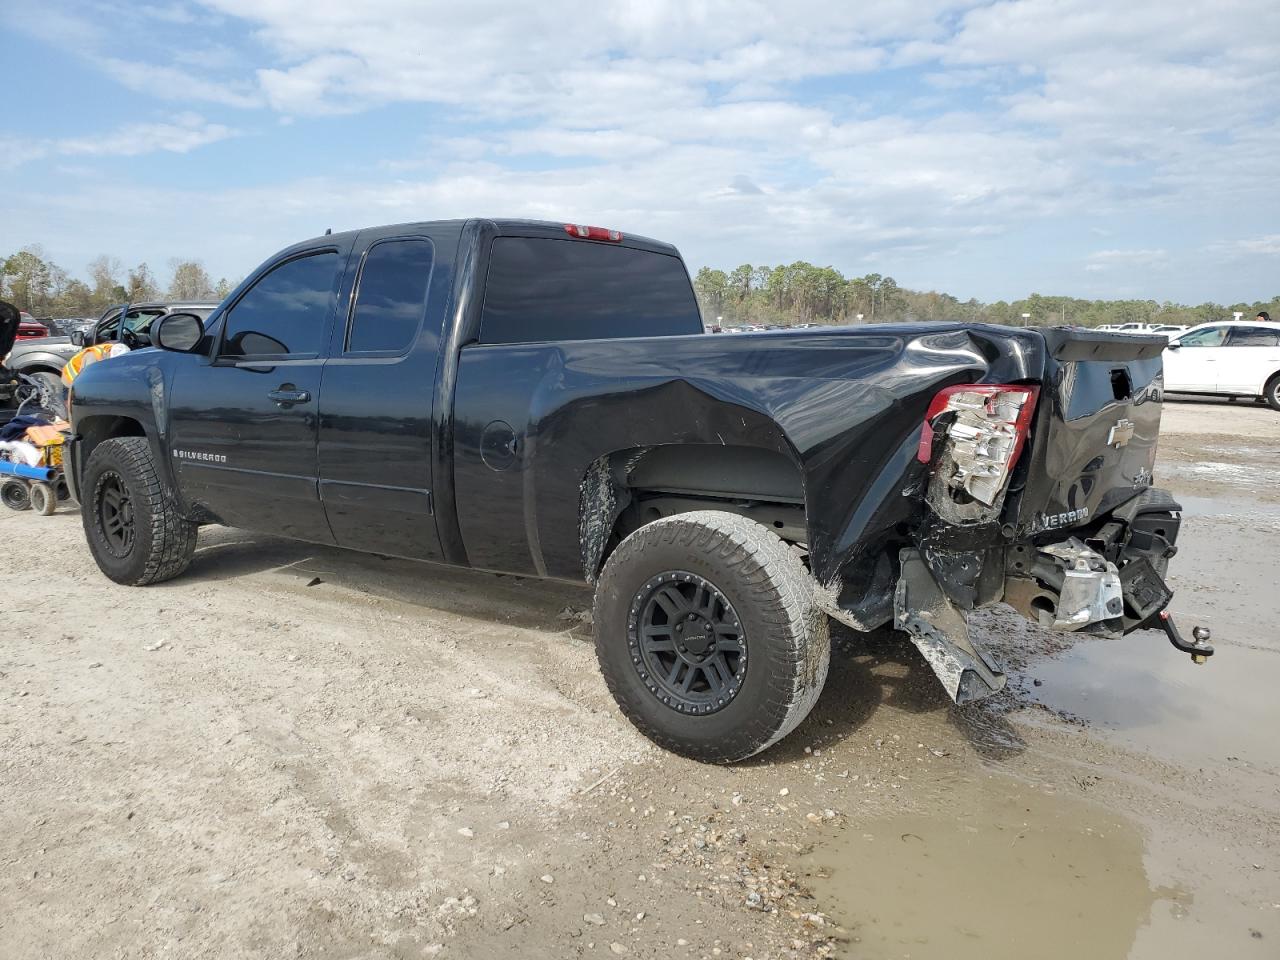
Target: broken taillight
(985,438)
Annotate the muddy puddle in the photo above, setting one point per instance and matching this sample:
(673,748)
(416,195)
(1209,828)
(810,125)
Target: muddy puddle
(1141,693)
(992,863)
(993,868)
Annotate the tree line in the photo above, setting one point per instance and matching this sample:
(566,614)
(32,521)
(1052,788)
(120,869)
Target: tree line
(773,296)
(34,283)
(802,293)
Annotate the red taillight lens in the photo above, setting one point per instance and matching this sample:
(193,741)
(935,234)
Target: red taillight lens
(987,436)
(582,232)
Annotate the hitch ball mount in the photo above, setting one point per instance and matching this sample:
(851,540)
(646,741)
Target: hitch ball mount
(1200,648)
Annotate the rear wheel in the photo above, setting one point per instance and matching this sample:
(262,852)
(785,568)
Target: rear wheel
(133,528)
(708,635)
(1271,392)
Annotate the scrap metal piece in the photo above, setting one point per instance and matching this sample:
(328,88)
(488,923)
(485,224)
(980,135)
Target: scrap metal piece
(941,634)
(1091,590)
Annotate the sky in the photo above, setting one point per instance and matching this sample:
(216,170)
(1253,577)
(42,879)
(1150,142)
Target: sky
(988,150)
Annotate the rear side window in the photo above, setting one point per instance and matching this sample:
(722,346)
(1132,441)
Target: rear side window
(1253,337)
(285,312)
(391,297)
(542,289)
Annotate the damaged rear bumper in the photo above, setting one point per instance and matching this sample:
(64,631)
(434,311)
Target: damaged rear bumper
(940,632)
(1105,580)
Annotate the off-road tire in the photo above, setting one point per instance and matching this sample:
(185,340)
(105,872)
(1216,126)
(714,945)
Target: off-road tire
(162,542)
(52,394)
(1271,392)
(14,495)
(787,640)
(44,500)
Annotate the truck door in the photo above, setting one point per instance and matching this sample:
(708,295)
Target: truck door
(376,426)
(1192,364)
(243,422)
(1251,356)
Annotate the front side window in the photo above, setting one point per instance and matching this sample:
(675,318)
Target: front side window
(1208,337)
(285,312)
(391,297)
(1253,337)
(544,290)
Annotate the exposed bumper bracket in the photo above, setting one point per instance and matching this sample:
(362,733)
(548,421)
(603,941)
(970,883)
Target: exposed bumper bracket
(941,634)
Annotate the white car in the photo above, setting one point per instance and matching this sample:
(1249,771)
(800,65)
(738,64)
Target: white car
(1229,358)
(1142,328)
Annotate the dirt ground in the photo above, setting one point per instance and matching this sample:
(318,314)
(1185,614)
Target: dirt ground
(294,751)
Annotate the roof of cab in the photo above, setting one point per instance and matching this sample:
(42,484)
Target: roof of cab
(511,227)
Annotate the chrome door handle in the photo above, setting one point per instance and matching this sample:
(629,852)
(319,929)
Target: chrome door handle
(287,398)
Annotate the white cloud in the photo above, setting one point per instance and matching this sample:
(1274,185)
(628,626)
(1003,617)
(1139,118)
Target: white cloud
(1265,246)
(179,134)
(1126,260)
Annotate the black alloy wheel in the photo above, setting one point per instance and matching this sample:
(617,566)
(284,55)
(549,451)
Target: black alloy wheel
(687,642)
(113,509)
(679,604)
(134,529)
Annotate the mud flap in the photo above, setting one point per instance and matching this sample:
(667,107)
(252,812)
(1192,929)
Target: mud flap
(941,634)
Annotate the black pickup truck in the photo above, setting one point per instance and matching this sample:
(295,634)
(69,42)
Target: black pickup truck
(540,399)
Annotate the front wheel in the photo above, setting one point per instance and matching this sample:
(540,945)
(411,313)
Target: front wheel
(134,531)
(1271,392)
(709,636)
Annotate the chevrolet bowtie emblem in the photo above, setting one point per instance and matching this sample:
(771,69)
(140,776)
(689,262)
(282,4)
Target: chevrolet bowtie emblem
(1120,434)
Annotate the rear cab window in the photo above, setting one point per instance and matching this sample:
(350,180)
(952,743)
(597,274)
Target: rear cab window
(391,297)
(542,289)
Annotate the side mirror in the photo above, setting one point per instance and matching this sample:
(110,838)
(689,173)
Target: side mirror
(1173,345)
(180,332)
(77,338)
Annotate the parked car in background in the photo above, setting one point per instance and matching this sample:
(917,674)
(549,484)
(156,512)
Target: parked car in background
(43,359)
(29,328)
(65,326)
(1232,358)
(50,354)
(1142,328)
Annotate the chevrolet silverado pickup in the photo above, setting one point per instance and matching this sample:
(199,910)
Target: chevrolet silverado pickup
(540,399)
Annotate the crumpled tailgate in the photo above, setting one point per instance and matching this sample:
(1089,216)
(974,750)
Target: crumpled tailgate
(1094,440)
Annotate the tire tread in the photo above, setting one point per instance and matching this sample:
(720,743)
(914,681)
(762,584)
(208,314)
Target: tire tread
(169,540)
(766,569)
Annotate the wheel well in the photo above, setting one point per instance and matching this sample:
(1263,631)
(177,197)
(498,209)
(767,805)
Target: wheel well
(41,368)
(95,430)
(627,489)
